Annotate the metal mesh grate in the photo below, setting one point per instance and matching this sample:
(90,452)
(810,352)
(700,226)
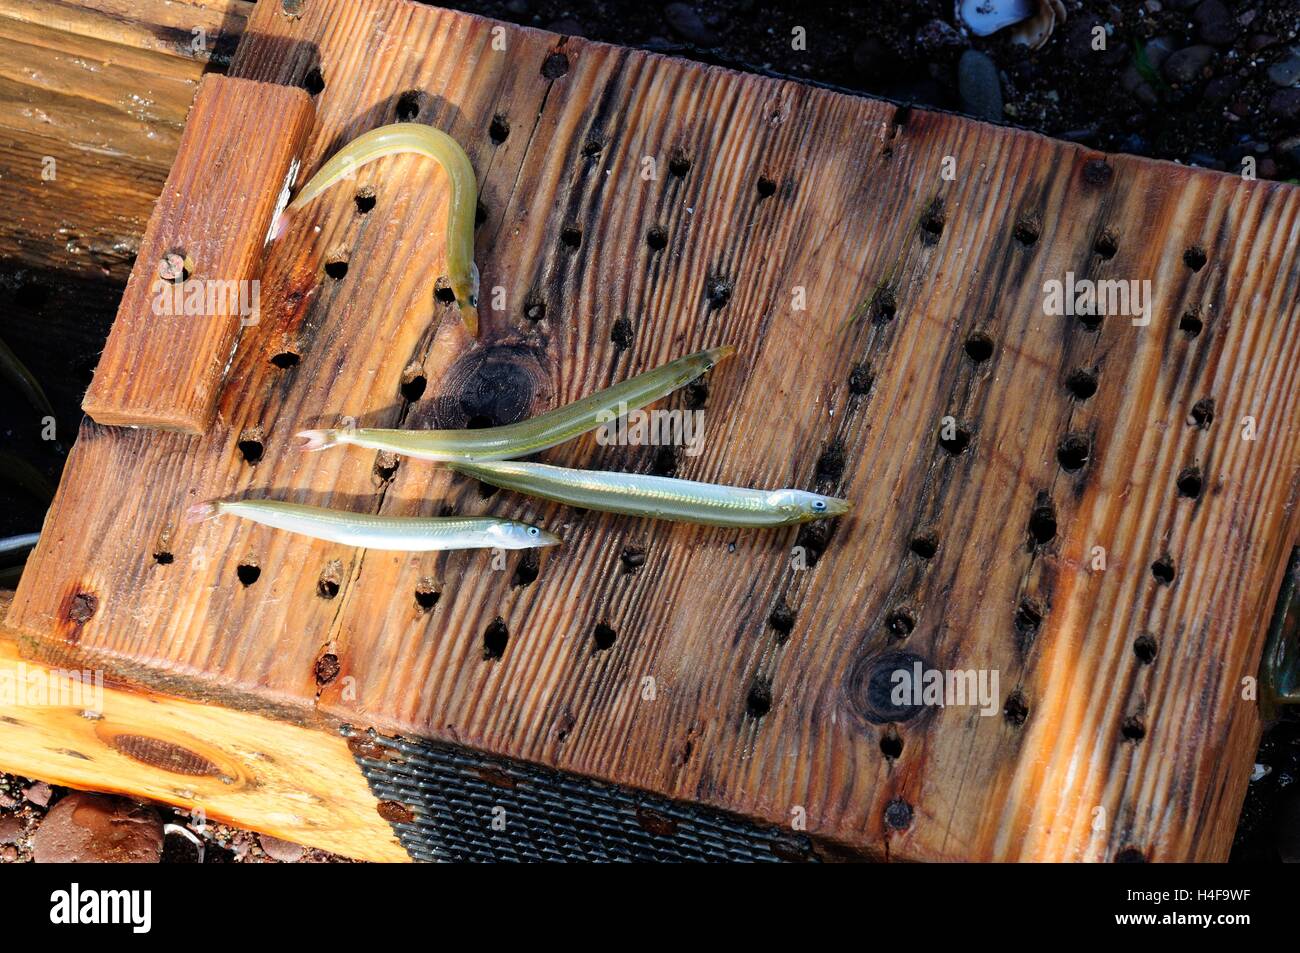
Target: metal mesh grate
(448,803)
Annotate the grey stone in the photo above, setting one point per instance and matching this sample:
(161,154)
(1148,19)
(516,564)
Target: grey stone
(978,86)
(1186,66)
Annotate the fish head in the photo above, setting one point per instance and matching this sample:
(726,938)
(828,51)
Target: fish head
(510,534)
(801,506)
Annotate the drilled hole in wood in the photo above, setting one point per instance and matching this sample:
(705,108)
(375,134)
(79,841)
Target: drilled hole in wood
(602,638)
(571,236)
(766,187)
(499,129)
(633,558)
(163,558)
(1016,709)
(1163,570)
(250,444)
(336,265)
(1191,323)
(1042,524)
(898,814)
(408,105)
(954,439)
(679,163)
(1026,231)
(1106,245)
(781,619)
(1073,452)
(176,266)
(884,307)
(331,577)
(386,465)
(327,669)
(364,199)
(534,308)
(1081,384)
(718,291)
(442,292)
(657,238)
(413,385)
(1194,258)
(695,395)
(555,65)
(248,572)
(1130,855)
(932,223)
(830,465)
(1028,618)
(592,148)
(1190,482)
(622,335)
(925,545)
(1145,648)
(426,594)
(979,347)
(285,360)
(495,637)
(900,623)
(891,744)
(1097,172)
(1202,414)
(758,701)
(314,81)
(1133,729)
(82,607)
(1091,322)
(861,380)
(665,462)
(527,569)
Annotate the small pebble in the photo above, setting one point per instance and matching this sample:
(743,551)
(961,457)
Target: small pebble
(685,21)
(1286,71)
(286,852)
(98,828)
(937,36)
(11,828)
(1186,66)
(39,794)
(1214,24)
(979,87)
(1285,104)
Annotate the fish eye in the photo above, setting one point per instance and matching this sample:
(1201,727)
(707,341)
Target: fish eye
(819,505)
(534,531)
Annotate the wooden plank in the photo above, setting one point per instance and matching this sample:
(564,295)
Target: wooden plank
(197,30)
(69,726)
(101,88)
(768,194)
(197,281)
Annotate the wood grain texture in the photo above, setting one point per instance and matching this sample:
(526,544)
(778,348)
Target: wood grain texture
(165,359)
(102,87)
(68,726)
(765,191)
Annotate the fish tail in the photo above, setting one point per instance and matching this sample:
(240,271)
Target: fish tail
(319,439)
(202,511)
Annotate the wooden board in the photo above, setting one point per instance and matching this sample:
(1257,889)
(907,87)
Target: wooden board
(101,87)
(69,726)
(198,278)
(765,195)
